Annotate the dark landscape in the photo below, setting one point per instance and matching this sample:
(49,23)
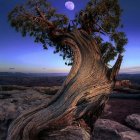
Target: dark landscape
(20,91)
(49,79)
(31,79)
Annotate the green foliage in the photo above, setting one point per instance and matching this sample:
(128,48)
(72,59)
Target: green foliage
(100,13)
(100,18)
(26,19)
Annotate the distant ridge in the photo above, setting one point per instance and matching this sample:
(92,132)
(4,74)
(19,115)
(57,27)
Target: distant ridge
(134,78)
(56,74)
(48,79)
(20,74)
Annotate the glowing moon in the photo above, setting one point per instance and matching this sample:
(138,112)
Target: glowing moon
(69,5)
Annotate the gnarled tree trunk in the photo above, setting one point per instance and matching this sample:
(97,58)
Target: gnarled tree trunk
(80,100)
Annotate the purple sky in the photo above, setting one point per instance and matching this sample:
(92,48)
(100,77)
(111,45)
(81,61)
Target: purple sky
(23,55)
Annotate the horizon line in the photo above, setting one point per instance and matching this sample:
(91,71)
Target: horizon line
(58,72)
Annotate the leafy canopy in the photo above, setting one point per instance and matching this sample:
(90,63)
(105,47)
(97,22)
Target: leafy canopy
(100,19)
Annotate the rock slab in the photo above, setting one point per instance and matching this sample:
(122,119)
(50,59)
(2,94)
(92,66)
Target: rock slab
(133,121)
(110,130)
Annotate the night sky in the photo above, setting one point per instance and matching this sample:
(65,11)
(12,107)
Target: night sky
(18,54)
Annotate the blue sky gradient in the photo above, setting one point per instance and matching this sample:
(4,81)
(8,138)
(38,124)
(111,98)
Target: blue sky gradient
(23,55)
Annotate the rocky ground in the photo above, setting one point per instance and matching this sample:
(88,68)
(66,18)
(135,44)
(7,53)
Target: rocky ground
(116,123)
(119,109)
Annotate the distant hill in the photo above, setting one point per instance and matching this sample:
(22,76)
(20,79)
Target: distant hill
(32,79)
(48,79)
(19,74)
(134,78)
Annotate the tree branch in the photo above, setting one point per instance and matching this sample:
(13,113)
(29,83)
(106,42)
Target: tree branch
(115,69)
(43,17)
(101,28)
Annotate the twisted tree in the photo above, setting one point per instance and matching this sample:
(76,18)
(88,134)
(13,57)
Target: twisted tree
(87,43)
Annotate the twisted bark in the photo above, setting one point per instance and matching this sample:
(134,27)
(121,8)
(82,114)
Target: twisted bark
(80,100)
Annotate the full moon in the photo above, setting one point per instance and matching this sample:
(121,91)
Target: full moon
(69,5)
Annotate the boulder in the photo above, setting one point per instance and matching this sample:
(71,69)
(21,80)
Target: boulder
(133,121)
(123,83)
(110,130)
